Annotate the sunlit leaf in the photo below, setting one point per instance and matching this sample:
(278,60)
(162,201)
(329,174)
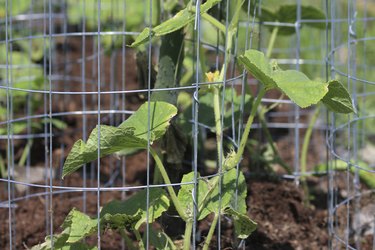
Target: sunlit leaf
(136,207)
(259,66)
(299,88)
(131,134)
(180,20)
(209,198)
(243,225)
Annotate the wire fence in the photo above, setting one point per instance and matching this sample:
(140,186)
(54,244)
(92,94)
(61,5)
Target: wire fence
(67,69)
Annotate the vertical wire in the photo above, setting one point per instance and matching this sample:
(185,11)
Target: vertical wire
(197,28)
(329,46)
(352,58)
(9,126)
(148,125)
(296,108)
(29,103)
(11,80)
(123,88)
(248,44)
(84,117)
(50,121)
(123,107)
(220,160)
(46,138)
(112,86)
(98,121)
(347,232)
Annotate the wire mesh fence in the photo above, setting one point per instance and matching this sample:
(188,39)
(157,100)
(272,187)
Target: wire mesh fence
(124,125)
(351,206)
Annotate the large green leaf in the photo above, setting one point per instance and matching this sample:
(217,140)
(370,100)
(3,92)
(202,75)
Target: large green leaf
(59,243)
(136,206)
(338,98)
(131,134)
(185,195)
(243,225)
(233,193)
(299,88)
(180,20)
(259,66)
(296,85)
(159,117)
(78,225)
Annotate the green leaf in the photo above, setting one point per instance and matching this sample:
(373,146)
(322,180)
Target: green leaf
(243,225)
(185,194)
(208,193)
(119,221)
(296,85)
(299,88)
(59,243)
(112,140)
(258,65)
(338,98)
(131,134)
(233,193)
(78,225)
(288,14)
(160,116)
(136,206)
(180,20)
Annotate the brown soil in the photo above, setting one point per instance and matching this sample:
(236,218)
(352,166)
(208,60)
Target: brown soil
(284,221)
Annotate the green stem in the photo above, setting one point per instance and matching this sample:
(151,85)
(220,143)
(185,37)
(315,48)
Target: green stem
(214,22)
(128,241)
(139,239)
(25,153)
(305,147)
(3,171)
(268,135)
(211,232)
(237,157)
(163,172)
(271,42)
(306,142)
(218,126)
(187,235)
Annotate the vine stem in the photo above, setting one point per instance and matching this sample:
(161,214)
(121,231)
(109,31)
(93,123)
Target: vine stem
(218,126)
(127,240)
(211,232)
(139,238)
(246,132)
(271,42)
(306,142)
(172,193)
(214,22)
(187,235)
